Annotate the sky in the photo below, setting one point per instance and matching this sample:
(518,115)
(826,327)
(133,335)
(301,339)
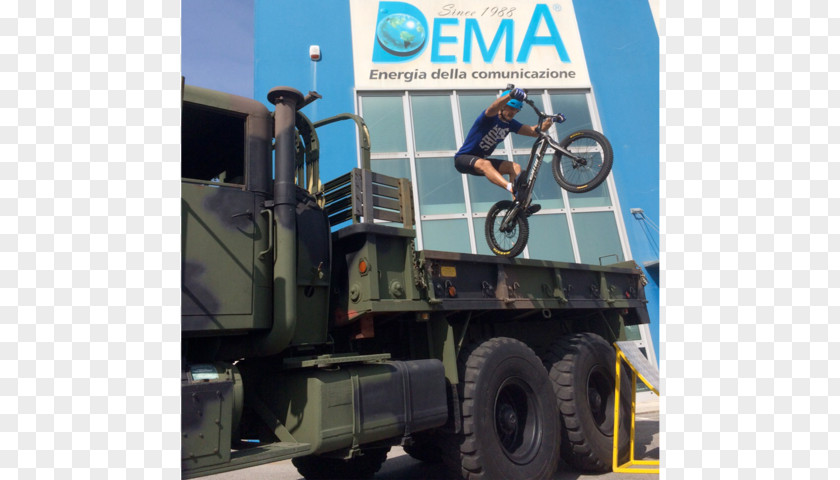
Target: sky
(217,45)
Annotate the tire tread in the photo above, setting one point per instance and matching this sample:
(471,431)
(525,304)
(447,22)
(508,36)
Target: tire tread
(560,358)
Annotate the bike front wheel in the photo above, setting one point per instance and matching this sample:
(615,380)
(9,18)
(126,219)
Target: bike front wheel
(508,243)
(590,164)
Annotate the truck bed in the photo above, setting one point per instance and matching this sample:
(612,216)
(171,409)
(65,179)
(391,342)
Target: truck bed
(381,272)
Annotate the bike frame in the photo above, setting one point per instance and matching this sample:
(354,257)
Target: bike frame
(535,161)
(538,150)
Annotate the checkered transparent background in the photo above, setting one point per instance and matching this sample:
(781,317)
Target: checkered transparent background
(748,118)
(89,239)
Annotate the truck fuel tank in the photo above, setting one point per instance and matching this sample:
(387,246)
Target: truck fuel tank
(350,405)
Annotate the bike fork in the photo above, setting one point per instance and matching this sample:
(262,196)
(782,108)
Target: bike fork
(510,219)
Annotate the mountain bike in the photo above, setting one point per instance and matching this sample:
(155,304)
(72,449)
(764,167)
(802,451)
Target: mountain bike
(581,162)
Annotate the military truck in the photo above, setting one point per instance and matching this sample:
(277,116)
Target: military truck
(313,329)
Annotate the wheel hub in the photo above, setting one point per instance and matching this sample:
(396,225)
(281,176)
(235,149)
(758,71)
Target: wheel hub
(518,427)
(508,419)
(595,400)
(599,391)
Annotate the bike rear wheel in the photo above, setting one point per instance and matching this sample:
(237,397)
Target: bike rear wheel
(591,164)
(505,244)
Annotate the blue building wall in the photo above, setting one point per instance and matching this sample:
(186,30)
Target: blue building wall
(622,50)
(284,31)
(622,54)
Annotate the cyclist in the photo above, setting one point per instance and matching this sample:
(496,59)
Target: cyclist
(490,128)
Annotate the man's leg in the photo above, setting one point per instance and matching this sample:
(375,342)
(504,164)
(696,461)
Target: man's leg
(486,168)
(510,169)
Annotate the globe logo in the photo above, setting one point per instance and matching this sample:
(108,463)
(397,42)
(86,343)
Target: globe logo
(401,35)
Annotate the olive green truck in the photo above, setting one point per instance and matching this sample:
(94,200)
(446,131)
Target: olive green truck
(314,330)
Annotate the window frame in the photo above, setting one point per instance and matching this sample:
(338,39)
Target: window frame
(505,150)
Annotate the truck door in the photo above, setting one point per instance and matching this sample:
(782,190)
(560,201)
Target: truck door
(225,286)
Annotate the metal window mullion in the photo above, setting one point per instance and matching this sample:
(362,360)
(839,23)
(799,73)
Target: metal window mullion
(465,184)
(647,341)
(608,208)
(593,111)
(573,234)
(512,157)
(435,154)
(549,109)
(388,155)
(619,219)
(443,216)
(412,167)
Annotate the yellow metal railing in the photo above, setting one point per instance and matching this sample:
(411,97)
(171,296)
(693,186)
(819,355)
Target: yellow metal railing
(649,377)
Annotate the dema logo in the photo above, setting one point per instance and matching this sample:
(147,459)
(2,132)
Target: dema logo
(401,32)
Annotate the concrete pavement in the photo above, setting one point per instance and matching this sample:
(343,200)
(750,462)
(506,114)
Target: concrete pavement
(400,466)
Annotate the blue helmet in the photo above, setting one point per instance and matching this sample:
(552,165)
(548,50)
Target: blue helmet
(517,104)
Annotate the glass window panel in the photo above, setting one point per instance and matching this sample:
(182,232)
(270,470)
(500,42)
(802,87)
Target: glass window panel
(632,332)
(385,120)
(213,145)
(446,235)
(394,167)
(576,109)
(471,107)
(527,116)
(483,193)
(549,238)
(439,186)
(433,124)
(546,191)
(597,236)
(481,246)
(598,197)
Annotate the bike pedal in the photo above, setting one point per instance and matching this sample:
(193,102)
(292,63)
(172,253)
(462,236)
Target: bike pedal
(532,209)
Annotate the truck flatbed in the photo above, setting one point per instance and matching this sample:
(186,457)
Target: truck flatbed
(385,274)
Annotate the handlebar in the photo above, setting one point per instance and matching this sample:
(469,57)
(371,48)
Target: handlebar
(541,115)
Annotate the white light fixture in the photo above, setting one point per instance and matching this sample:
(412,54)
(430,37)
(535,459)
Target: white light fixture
(314,53)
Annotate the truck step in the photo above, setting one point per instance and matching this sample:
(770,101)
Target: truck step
(251,457)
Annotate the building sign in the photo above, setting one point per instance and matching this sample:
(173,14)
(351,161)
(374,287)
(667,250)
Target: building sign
(432,44)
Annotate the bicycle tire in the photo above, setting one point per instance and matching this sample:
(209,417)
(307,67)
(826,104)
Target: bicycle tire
(505,244)
(595,149)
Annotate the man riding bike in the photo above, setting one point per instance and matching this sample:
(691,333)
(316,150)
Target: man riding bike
(490,128)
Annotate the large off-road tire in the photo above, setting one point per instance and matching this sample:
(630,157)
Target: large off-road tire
(315,467)
(582,370)
(510,424)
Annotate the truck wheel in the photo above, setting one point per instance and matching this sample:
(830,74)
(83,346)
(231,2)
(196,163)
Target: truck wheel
(426,448)
(316,467)
(582,369)
(510,424)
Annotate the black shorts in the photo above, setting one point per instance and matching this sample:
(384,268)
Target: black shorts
(466,164)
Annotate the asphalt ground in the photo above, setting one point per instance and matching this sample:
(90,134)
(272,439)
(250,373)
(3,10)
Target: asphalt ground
(400,466)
